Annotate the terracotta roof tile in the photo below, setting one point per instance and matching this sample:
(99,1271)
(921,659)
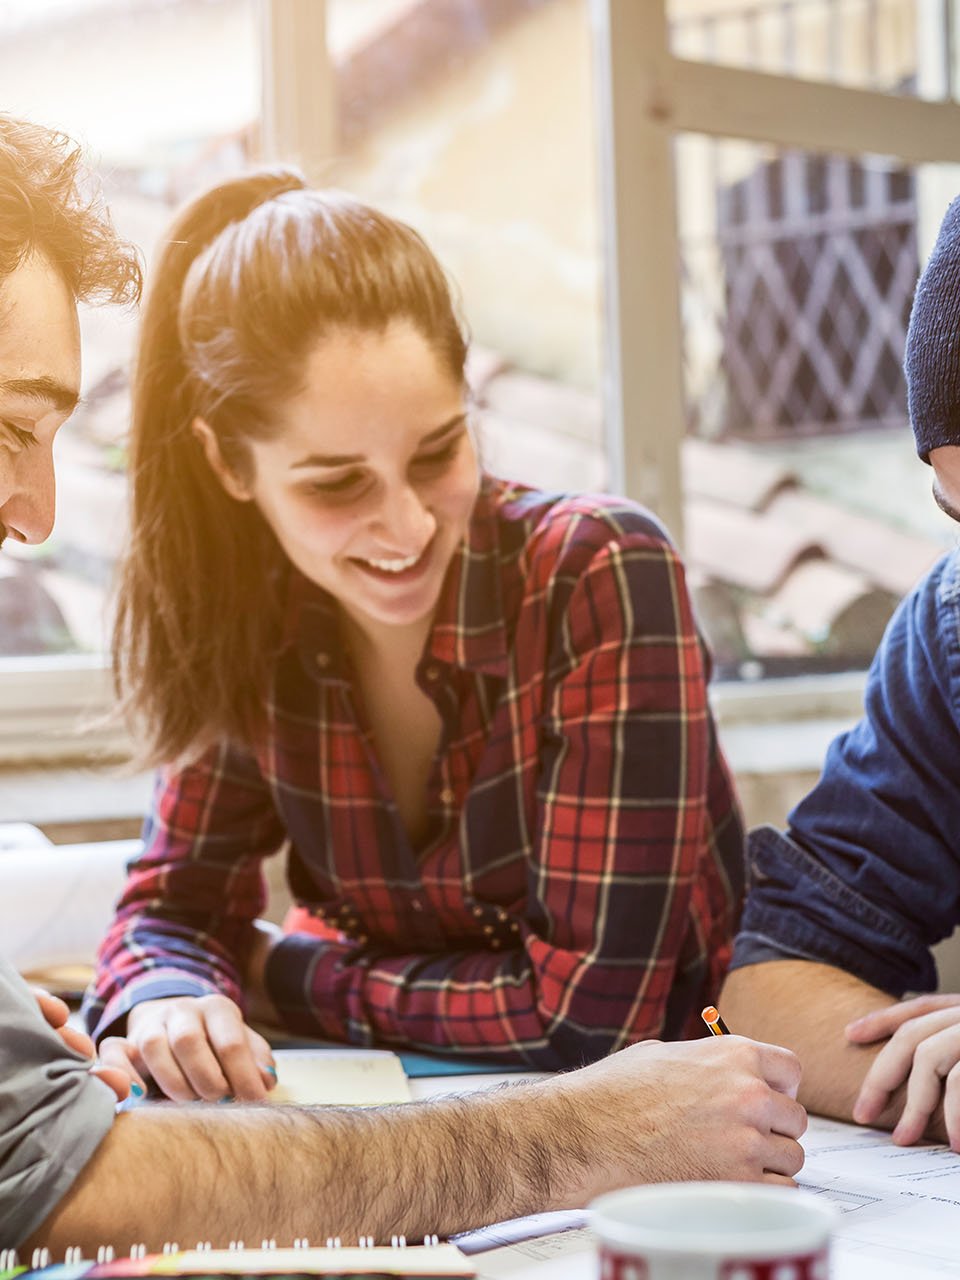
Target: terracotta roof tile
(835,609)
(538,456)
(551,406)
(724,473)
(483,365)
(422,42)
(751,551)
(769,639)
(886,556)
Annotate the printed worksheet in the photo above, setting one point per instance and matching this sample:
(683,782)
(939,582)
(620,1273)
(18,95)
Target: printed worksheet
(899,1215)
(899,1206)
(564,1255)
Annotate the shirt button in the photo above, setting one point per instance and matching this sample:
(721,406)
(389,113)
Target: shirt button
(432,672)
(323,661)
(446,795)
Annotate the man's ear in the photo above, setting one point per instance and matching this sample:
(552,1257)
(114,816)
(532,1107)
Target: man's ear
(210,445)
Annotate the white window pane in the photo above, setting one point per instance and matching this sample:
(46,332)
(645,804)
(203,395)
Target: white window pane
(808,515)
(165,97)
(475,123)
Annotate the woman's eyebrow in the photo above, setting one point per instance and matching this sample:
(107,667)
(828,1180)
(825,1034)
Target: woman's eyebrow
(455,421)
(346,459)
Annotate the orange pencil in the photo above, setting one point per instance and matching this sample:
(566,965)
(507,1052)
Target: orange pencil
(715,1024)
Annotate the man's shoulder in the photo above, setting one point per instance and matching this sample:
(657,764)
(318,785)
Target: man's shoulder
(944,579)
(929,613)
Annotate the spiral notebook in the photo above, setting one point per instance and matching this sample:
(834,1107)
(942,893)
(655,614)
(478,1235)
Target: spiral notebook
(432,1261)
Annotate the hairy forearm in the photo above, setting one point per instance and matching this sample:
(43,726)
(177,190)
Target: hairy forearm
(248,1173)
(805,1007)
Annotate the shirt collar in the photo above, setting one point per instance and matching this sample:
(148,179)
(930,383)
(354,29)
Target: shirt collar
(470,627)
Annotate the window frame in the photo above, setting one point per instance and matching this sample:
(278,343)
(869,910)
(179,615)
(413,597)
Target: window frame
(645,97)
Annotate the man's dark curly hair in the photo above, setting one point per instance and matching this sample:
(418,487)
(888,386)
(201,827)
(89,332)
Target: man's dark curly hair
(48,204)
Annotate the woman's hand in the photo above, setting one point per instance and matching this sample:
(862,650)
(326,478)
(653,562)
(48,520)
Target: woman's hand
(200,1047)
(923,1050)
(115,1067)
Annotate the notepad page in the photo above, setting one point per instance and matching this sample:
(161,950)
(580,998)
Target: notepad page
(338,1078)
(443,1260)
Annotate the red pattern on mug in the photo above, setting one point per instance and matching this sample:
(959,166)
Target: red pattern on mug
(617,1266)
(812,1266)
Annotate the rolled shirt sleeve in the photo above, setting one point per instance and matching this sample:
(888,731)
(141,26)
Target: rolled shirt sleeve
(867,877)
(53,1113)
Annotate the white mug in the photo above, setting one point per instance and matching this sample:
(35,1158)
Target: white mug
(712,1231)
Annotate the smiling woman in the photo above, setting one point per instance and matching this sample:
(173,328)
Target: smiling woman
(475,713)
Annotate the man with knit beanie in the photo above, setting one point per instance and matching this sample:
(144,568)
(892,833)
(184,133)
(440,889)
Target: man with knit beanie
(844,907)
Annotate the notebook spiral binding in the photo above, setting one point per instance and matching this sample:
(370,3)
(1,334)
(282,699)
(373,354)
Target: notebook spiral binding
(73,1254)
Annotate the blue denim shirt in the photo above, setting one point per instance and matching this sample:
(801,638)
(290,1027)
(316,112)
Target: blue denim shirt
(867,876)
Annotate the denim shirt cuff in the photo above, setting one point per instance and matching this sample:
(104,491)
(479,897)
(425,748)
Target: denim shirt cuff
(799,909)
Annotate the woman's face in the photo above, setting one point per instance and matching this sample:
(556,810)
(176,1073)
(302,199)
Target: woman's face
(371,479)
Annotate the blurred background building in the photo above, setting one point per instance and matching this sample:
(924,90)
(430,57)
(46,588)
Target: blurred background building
(805,517)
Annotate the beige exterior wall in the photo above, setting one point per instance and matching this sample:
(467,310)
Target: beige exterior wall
(494,163)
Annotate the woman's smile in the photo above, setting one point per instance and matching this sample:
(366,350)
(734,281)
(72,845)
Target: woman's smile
(397,570)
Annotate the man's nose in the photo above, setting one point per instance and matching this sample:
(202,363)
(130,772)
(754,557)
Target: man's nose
(405,523)
(28,513)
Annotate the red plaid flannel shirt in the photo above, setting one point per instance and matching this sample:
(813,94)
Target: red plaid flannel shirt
(582,874)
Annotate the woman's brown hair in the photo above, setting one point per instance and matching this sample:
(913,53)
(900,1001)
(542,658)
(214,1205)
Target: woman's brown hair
(253,274)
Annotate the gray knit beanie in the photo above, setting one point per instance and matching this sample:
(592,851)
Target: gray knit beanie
(931,358)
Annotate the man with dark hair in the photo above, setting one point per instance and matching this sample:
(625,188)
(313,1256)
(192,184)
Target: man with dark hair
(844,907)
(73,1173)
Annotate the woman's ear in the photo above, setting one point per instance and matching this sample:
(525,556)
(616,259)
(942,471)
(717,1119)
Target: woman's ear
(206,437)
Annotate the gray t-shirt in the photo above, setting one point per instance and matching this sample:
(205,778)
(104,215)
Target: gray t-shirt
(53,1113)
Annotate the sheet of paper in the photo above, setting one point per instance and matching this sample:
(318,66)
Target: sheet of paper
(569,1255)
(56,902)
(422,1087)
(534,1226)
(339,1077)
(898,1205)
(898,1215)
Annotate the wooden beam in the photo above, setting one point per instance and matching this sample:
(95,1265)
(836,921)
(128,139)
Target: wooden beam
(728,102)
(299,125)
(643,351)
